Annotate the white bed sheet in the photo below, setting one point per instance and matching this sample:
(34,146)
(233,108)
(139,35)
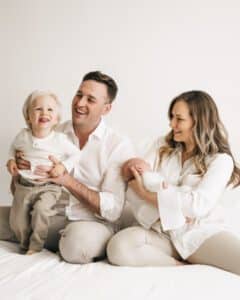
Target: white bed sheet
(44,276)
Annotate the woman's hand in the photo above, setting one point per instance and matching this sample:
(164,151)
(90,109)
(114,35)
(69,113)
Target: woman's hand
(138,187)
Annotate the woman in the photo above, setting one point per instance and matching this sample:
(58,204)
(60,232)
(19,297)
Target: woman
(197,165)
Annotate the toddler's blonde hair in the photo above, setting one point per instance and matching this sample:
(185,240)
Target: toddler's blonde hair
(32,97)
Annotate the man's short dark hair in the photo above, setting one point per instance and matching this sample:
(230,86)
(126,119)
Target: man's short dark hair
(105,79)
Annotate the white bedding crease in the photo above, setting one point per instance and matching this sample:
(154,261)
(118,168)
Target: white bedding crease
(45,276)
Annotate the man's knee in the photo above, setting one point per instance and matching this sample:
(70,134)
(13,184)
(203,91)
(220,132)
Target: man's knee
(82,242)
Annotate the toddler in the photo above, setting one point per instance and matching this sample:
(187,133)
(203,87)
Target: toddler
(34,201)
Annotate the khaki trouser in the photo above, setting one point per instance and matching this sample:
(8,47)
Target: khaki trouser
(137,246)
(29,216)
(78,242)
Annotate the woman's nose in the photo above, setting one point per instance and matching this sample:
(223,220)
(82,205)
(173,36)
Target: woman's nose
(172,124)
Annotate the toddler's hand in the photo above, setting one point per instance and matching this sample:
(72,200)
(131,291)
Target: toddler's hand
(12,167)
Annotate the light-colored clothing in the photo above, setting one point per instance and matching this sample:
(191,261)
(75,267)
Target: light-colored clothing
(99,169)
(220,250)
(139,247)
(37,151)
(83,242)
(31,211)
(189,195)
(33,201)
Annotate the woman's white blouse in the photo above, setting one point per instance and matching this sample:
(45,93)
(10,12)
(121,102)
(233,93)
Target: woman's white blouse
(190,195)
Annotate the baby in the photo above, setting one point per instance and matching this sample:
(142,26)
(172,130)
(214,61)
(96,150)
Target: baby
(33,200)
(152,181)
(145,213)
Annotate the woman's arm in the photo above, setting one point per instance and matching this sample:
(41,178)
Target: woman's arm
(138,187)
(195,201)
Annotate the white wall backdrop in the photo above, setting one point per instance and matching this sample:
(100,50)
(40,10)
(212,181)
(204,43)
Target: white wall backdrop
(155,49)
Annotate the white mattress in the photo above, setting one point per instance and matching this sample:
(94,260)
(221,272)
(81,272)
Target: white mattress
(44,276)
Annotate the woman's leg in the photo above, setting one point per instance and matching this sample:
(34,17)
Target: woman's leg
(221,250)
(136,246)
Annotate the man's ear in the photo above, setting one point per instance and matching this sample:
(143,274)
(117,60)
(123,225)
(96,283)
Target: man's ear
(107,108)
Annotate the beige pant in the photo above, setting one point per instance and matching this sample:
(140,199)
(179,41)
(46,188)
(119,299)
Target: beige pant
(29,216)
(79,242)
(84,241)
(137,246)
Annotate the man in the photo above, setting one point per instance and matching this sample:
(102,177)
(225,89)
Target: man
(96,187)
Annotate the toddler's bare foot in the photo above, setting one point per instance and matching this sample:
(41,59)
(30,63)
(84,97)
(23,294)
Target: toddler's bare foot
(30,252)
(180,263)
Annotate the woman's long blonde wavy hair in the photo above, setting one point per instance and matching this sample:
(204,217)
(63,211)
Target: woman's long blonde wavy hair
(209,132)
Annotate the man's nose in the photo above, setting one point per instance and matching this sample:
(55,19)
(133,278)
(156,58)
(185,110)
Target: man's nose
(81,100)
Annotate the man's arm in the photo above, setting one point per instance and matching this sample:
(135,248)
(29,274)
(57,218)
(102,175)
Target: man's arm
(80,191)
(108,202)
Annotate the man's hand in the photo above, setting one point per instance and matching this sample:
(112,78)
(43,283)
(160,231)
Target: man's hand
(12,167)
(57,170)
(60,180)
(22,164)
(48,171)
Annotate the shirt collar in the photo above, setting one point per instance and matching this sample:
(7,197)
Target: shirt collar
(98,131)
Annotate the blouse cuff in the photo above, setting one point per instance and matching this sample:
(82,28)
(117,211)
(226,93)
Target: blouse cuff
(170,209)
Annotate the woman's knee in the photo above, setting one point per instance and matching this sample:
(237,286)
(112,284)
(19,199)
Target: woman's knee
(120,249)
(82,242)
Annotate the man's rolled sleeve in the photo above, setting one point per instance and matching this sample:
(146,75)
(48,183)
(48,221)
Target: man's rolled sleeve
(110,206)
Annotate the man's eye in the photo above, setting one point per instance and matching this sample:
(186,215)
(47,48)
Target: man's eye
(50,109)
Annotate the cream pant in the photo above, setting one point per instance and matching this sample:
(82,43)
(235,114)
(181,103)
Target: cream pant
(29,216)
(137,246)
(79,242)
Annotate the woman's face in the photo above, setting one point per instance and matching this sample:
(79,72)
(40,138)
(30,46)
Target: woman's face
(181,123)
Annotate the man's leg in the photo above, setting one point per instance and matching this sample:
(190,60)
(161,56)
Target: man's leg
(139,247)
(83,242)
(222,250)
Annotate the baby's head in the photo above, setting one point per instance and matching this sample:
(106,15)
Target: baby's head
(42,109)
(126,168)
